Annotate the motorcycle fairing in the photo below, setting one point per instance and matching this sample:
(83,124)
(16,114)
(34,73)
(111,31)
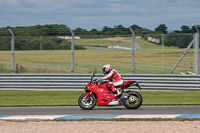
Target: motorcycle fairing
(127,84)
(102,94)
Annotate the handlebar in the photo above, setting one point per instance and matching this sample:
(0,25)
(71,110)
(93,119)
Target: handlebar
(96,81)
(93,75)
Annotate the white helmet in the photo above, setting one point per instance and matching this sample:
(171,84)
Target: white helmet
(107,68)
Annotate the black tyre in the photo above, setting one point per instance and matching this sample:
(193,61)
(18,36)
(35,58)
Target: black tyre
(134,100)
(88,103)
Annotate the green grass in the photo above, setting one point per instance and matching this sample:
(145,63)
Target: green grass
(86,61)
(70,98)
(38,98)
(124,41)
(171,98)
(148,59)
(103,42)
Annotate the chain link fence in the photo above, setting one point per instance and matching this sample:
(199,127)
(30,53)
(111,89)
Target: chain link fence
(154,54)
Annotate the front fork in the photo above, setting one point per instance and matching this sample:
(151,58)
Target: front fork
(87,94)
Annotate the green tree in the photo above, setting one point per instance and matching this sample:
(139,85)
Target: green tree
(186,29)
(106,30)
(94,32)
(136,27)
(162,28)
(80,31)
(181,41)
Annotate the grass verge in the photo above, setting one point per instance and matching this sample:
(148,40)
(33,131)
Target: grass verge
(70,98)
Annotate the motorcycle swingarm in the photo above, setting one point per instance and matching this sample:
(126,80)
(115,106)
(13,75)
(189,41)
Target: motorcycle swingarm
(124,96)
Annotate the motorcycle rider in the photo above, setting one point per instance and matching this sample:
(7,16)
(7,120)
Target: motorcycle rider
(114,79)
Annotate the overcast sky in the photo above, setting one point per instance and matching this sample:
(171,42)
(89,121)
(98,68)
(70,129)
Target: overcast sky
(90,14)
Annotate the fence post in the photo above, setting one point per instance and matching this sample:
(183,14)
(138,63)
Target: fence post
(191,67)
(133,50)
(196,49)
(163,55)
(12,50)
(146,68)
(41,51)
(17,68)
(60,70)
(72,48)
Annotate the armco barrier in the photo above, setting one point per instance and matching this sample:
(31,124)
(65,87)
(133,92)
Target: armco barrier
(79,81)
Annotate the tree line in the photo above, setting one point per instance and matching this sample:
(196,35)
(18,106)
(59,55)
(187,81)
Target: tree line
(37,37)
(29,38)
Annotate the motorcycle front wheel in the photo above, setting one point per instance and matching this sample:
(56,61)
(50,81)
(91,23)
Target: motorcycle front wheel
(88,103)
(134,100)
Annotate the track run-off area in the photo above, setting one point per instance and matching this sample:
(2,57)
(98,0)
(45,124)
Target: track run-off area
(74,112)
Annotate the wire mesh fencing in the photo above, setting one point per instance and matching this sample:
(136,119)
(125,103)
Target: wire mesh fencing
(154,54)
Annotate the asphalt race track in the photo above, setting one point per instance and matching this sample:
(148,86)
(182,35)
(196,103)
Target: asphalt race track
(75,110)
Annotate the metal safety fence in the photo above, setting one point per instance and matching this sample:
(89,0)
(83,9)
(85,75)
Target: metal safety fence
(79,53)
(77,82)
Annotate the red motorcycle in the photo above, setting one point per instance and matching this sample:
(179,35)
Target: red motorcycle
(96,93)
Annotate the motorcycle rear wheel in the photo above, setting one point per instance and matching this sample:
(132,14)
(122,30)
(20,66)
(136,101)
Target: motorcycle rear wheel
(87,104)
(134,100)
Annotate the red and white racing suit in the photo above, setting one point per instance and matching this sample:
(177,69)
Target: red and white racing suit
(114,80)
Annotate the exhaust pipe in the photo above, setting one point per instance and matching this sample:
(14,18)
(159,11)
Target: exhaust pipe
(113,103)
